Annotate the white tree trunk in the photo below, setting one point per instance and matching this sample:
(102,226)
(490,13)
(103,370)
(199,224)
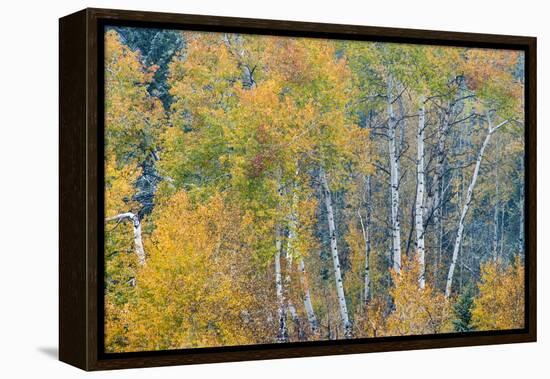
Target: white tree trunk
(466,206)
(420,185)
(295,319)
(138,243)
(365,227)
(394,181)
(282,335)
(288,255)
(312,319)
(335,260)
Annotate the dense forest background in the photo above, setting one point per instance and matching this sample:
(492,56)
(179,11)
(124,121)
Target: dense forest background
(265,189)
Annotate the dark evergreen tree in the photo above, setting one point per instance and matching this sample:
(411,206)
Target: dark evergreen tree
(463,310)
(157,47)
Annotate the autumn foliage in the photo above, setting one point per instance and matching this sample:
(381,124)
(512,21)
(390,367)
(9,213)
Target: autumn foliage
(417,310)
(500,304)
(258,185)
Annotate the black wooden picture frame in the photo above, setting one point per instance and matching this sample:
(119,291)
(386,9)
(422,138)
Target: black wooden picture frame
(81,189)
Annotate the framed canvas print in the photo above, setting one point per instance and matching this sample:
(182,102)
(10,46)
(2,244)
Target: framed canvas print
(238,189)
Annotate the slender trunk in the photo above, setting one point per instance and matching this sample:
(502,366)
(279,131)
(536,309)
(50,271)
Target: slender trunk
(521,206)
(521,222)
(420,180)
(365,226)
(288,256)
(433,209)
(461,271)
(502,229)
(412,228)
(346,326)
(439,224)
(394,181)
(282,335)
(433,201)
(495,224)
(307,298)
(466,206)
(140,251)
(312,319)
(460,200)
(138,242)
(497,208)
(295,319)
(439,180)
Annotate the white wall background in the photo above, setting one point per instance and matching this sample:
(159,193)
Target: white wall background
(28,187)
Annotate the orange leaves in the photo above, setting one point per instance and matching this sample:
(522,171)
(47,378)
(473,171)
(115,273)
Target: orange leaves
(500,304)
(262,134)
(491,73)
(485,65)
(152,69)
(287,60)
(309,68)
(258,165)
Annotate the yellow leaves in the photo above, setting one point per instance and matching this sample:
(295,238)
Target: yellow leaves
(309,69)
(375,320)
(264,99)
(417,311)
(115,325)
(262,115)
(305,241)
(194,287)
(130,112)
(119,186)
(206,76)
(354,239)
(358,147)
(355,277)
(121,63)
(500,304)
